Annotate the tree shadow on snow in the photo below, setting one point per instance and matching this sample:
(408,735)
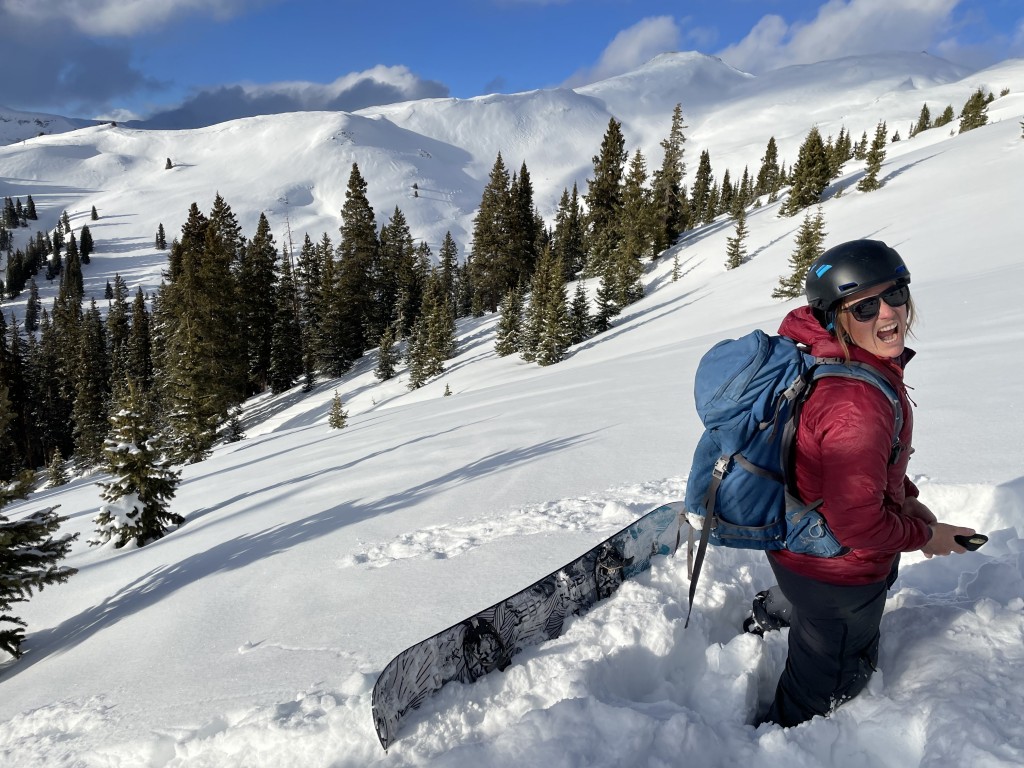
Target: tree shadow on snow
(243,551)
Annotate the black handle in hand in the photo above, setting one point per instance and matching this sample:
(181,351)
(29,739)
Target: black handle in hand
(971,542)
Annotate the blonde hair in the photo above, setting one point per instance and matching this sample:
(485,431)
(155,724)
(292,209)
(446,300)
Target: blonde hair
(843,337)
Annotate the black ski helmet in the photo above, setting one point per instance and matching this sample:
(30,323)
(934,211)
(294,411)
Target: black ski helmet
(849,268)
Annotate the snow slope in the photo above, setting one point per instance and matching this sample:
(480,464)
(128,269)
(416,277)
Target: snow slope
(252,635)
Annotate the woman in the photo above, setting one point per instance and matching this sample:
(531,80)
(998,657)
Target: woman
(859,309)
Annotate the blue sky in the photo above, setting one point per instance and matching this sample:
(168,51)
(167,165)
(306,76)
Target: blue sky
(190,62)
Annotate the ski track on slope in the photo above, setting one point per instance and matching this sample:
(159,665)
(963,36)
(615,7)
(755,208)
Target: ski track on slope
(606,513)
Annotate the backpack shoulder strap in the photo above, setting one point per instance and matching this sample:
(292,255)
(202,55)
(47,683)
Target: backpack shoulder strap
(825,367)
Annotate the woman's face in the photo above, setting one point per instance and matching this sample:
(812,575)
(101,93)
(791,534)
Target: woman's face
(883,335)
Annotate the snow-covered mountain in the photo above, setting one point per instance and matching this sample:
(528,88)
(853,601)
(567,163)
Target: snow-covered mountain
(310,557)
(295,166)
(18,126)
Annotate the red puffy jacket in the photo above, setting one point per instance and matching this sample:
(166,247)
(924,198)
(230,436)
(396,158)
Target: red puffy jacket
(843,446)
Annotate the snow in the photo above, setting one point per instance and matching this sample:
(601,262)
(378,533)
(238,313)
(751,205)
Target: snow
(252,636)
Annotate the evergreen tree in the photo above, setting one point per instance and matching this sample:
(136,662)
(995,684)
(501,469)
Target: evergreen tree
(337,418)
(508,335)
(946,117)
(56,470)
(286,338)
(736,251)
(258,284)
(71,279)
(924,121)
(85,245)
(30,553)
(569,237)
(15,424)
(700,198)
(811,174)
(138,350)
(160,241)
(604,199)
(93,214)
(198,356)
(876,155)
(667,197)
(606,307)
(638,225)
(30,209)
(975,111)
(551,309)
(143,482)
(353,295)
(50,387)
(491,269)
(810,241)
(412,286)
(448,263)
(579,316)
(433,338)
(234,432)
(118,332)
(397,288)
(89,410)
(387,356)
(525,227)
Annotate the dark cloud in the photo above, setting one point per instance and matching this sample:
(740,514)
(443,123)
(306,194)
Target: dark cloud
(217,105)
(51,65)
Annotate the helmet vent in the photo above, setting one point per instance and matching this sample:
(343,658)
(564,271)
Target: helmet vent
(848,286)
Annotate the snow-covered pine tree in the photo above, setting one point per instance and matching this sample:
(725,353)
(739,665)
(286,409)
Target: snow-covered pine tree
(606,307)
(143,482)
(736,250)
(338,417)
(876,155)
(669,200)
(975,111)
(579,316)
(507,336)
(604,199)
(946,117)
(810,239)
(555,326)
(811,174)
(924,121)
(56,473)
(387,356)
(29,557)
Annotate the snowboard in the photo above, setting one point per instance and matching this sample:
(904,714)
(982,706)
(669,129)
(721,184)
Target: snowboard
(489,639)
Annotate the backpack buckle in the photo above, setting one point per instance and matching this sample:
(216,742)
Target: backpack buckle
(718,471)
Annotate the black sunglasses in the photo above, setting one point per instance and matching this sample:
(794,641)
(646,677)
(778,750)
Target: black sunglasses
(867,309)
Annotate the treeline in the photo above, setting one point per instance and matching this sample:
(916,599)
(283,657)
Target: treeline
(235,316)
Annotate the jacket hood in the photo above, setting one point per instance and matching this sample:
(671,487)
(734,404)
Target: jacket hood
(801,326)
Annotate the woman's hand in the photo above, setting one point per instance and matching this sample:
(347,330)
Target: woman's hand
(912,507)
(942,542)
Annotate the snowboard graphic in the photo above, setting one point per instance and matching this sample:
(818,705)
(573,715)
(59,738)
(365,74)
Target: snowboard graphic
(489,639)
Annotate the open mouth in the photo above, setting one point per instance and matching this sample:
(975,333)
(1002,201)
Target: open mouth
(889,333)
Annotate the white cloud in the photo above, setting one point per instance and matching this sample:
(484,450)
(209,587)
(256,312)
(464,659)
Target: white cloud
(842,28)
(123,17)
(630,48)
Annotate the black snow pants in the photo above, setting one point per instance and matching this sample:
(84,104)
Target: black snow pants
(833,644)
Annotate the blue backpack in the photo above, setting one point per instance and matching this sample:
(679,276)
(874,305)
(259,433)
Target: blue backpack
(749,393)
